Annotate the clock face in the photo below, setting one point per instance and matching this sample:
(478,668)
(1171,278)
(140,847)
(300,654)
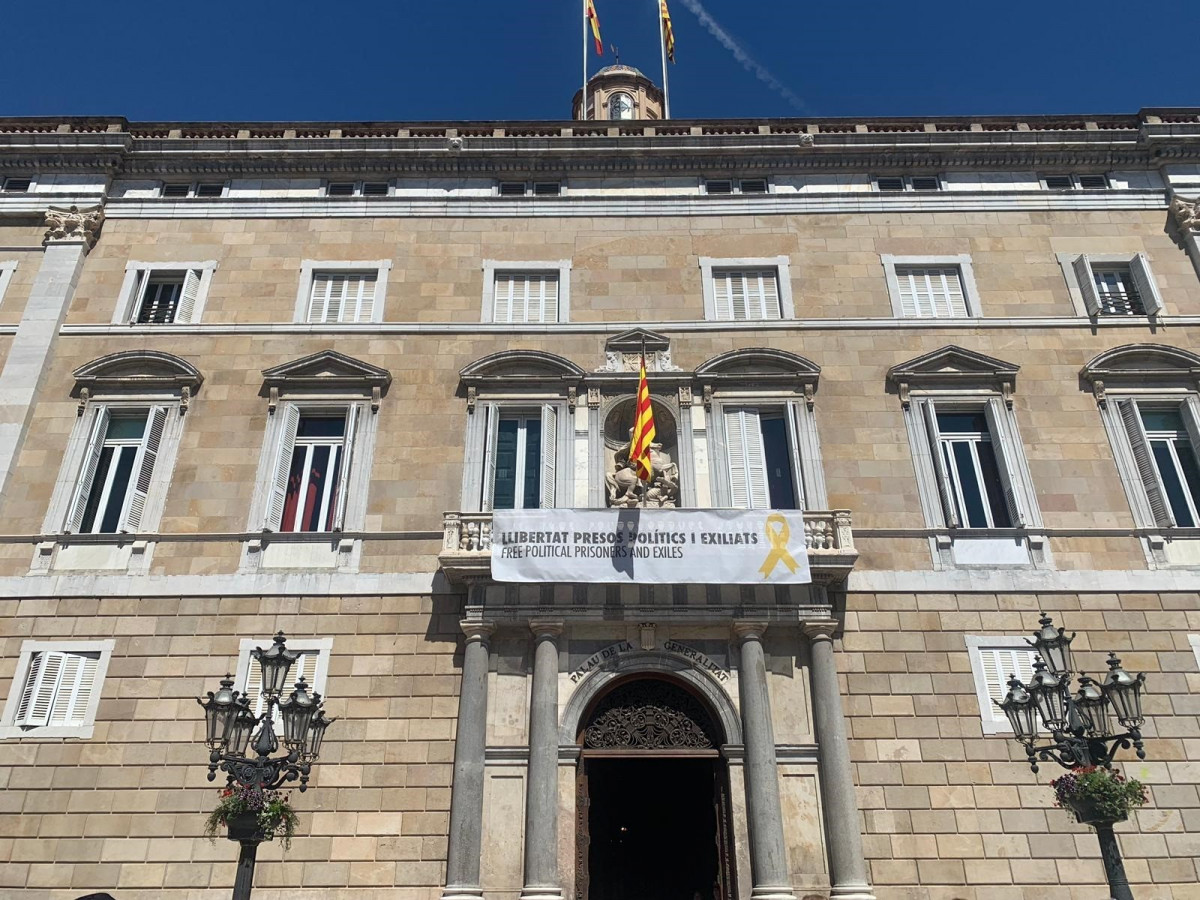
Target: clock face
(620,106)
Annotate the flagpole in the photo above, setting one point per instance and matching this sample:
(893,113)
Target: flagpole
(583,90)
(662,45)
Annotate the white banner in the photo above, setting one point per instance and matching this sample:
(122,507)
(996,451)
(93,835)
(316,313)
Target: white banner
(650,546)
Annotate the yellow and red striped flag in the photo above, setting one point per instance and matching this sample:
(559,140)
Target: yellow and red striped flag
(643,428)
(668,31)
(595,22)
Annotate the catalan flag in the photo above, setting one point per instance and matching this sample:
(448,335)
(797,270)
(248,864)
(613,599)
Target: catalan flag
(594,20)
(668,31)
(643,428)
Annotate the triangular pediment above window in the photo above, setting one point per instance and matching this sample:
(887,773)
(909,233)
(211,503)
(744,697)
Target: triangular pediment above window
(134,371)
(954,368)
(327,372)
(623,352)
(521,366)
(632,340)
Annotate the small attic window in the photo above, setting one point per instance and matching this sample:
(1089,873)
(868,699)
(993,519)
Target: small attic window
(546,188)
(16,185)
(721,186)
(340,189)
(512,189)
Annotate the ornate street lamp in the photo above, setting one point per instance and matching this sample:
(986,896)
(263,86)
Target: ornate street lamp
(1081,733)
(230,725)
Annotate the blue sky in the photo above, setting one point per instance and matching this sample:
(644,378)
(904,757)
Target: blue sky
(470,59)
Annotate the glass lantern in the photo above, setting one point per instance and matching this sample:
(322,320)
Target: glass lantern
(1124,692)
(275,662)
(1053,645)
(297,711)
(1018,706)
(219,712)
(1049,695)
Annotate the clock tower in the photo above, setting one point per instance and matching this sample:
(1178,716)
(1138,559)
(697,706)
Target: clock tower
(620,92)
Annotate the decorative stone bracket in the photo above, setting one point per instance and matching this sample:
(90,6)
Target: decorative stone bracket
(74,225)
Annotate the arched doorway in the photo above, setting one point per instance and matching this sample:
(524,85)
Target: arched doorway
(652,796)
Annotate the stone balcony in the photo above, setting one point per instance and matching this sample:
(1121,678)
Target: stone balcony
(466,553)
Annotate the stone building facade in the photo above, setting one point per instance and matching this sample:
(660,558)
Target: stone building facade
(277,376)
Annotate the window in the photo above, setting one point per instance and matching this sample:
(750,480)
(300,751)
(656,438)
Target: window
(197,190)
(172,293)
(308,491)
(16,185)
(1115,285)
(976,492)
(930,287)
(7,267)
(546,188)
(315,464)
(620,106)
(891,183)
(342,293)
(111,490)
(747,289)
(995,660)
(729,186)
(760,448)
(522,188)
(522,292)
(1075,182)
(521,458)
(342,297)
(1165,438)
(312,665)
(519,452)
(56,689)
(357,189)
(513,189)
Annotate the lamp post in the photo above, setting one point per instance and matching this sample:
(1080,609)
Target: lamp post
(1081,732)
(230,725)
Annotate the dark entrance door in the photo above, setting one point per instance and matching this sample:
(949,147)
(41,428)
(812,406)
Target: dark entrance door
(653,829)
(652,798)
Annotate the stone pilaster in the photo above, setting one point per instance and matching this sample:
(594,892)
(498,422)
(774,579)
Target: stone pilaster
(70,234)
(1186,214)
(466,797)
(541,795)
(847,865)
(764,812)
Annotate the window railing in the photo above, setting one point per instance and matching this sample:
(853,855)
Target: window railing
(1120,303)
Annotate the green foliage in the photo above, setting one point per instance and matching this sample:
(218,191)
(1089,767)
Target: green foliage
(1109,793)
(273,810)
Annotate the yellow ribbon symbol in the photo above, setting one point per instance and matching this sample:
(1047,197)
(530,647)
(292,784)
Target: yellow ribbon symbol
(779,541)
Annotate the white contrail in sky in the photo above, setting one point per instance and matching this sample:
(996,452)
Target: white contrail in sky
(749,63)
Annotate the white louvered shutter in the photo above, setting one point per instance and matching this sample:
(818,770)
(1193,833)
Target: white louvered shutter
(949,291)
(1139,268)
(1131,419)
(75,686)
(940,470)
(87,474)
(1190,411)
(137,294)
(343,485)
(764,294)
(502,298)
(549,455)
(253,688)
(747,459)
(143,467)
(1006,462)
(277,498)
(360,298)
(999,665)
(37,700)
(1087,284)
(491,437)
(549,305)
(791,414)
(187,297)
(908,293)
(722,295)
(342,297)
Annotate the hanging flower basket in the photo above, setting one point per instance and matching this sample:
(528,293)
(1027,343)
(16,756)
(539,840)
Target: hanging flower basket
(1098,796)
(252,814)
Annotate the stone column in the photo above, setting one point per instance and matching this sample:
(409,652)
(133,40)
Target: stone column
(847,866)
(541,792)
(764,813)
(70,235)
(466,797)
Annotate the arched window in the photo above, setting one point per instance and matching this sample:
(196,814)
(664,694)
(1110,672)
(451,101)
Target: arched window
(620,106)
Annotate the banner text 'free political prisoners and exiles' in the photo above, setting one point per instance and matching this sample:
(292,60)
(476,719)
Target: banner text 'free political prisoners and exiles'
(650,546)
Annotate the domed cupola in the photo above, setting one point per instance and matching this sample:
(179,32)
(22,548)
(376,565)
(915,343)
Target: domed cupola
(620,93)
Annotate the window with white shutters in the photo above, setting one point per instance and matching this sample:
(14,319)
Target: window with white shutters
(339,297)
(1116,285)
(56,689)
(525,297)
(741,294)
(117,470)
(761,456)
(311,473)
(974,467)
(1164,437)
(521,458)
(931,291)
(164,294)
(994,661)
